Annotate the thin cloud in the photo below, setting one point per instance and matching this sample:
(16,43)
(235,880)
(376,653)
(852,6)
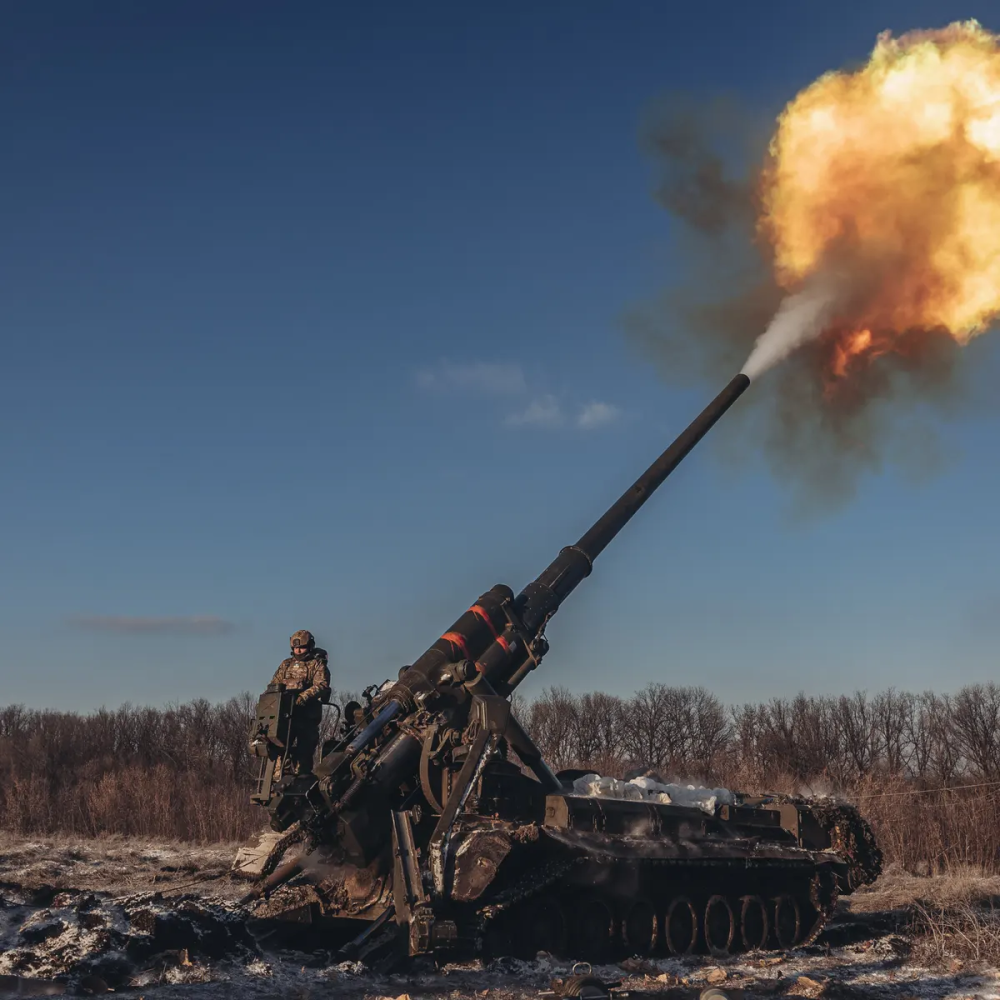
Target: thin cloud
(500,380)
(597,415)
(182,625)
(481,377)
(544,411)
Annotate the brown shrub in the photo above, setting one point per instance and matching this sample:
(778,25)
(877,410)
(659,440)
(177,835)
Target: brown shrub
(923,768)
(969,933)
(932,830)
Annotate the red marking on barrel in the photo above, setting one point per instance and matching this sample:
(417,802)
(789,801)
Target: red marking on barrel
(480,612)
(457,639)
(505,645)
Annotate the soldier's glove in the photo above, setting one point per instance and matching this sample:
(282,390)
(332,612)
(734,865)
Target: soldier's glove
(300,700)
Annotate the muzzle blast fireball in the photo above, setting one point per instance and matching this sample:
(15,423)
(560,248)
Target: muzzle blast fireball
(880,203)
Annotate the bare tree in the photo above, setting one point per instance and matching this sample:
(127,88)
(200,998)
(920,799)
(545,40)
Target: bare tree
(648,740)
(551,723)
(945,755)
(893,712)
(975,723)
(599,731)
(918,736)
(859,732)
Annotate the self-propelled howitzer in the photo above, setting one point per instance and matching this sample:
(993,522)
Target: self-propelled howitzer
(416,821)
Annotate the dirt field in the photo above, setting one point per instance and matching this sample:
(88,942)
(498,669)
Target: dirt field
(160,920)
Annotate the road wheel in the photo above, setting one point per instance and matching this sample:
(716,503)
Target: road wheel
(753,923)
(594,931)
(680,926)
(542,926)
(720,926)
(787,921)
(641,928)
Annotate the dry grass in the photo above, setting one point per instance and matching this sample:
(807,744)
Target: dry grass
(133,802)
(968,934)
(932,831)
(898,889)
(953,918)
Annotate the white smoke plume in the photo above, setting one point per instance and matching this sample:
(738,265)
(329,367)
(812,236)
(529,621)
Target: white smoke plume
(800,318)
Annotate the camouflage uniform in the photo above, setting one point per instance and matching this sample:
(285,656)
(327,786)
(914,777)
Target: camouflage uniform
(310,676)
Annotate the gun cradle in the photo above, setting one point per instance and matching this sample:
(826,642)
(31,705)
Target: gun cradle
(435,827)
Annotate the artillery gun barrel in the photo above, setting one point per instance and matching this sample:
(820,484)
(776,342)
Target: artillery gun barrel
(541,598)
(501,634)
(620,513)
(486,653)
(437,733)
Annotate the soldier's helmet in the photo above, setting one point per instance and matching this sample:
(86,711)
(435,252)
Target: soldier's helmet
(302,638)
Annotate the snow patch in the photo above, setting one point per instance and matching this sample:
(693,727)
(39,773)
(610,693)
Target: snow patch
(648,790)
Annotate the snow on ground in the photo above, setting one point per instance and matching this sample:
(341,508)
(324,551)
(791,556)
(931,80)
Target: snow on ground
(160,922)
(112,865)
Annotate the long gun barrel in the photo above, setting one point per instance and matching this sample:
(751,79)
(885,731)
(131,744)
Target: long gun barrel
(481,659)
(500,634)
(442,844)
(541,598)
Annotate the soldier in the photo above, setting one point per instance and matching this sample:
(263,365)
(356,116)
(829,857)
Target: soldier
(353,716)
(305,671)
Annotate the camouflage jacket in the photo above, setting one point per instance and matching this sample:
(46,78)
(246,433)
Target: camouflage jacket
(311,678)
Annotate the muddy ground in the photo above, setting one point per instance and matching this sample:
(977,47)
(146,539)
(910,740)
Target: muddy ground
(160,920)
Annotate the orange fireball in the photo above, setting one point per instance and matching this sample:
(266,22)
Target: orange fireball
(891,174)
(846,347)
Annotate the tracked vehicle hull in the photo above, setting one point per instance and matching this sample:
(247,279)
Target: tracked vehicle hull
(633,878)
(590,878)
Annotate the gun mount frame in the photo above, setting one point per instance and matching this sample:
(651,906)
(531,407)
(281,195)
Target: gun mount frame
(438,842)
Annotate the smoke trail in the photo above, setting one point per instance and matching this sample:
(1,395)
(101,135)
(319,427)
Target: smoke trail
(817,437)
(801,317)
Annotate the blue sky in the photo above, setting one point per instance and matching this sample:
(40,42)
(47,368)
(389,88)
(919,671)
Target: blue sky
(312,318)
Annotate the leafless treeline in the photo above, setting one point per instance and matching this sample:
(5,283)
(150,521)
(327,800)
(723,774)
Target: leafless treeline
(923,768)
(929,739)
(906,759)
(197,736)
(176,772)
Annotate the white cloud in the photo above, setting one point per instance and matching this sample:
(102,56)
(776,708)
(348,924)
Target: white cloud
(544,411)
(597,415)
(540,409)
(478,376)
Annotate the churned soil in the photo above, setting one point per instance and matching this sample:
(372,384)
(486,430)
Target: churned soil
(160,920)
